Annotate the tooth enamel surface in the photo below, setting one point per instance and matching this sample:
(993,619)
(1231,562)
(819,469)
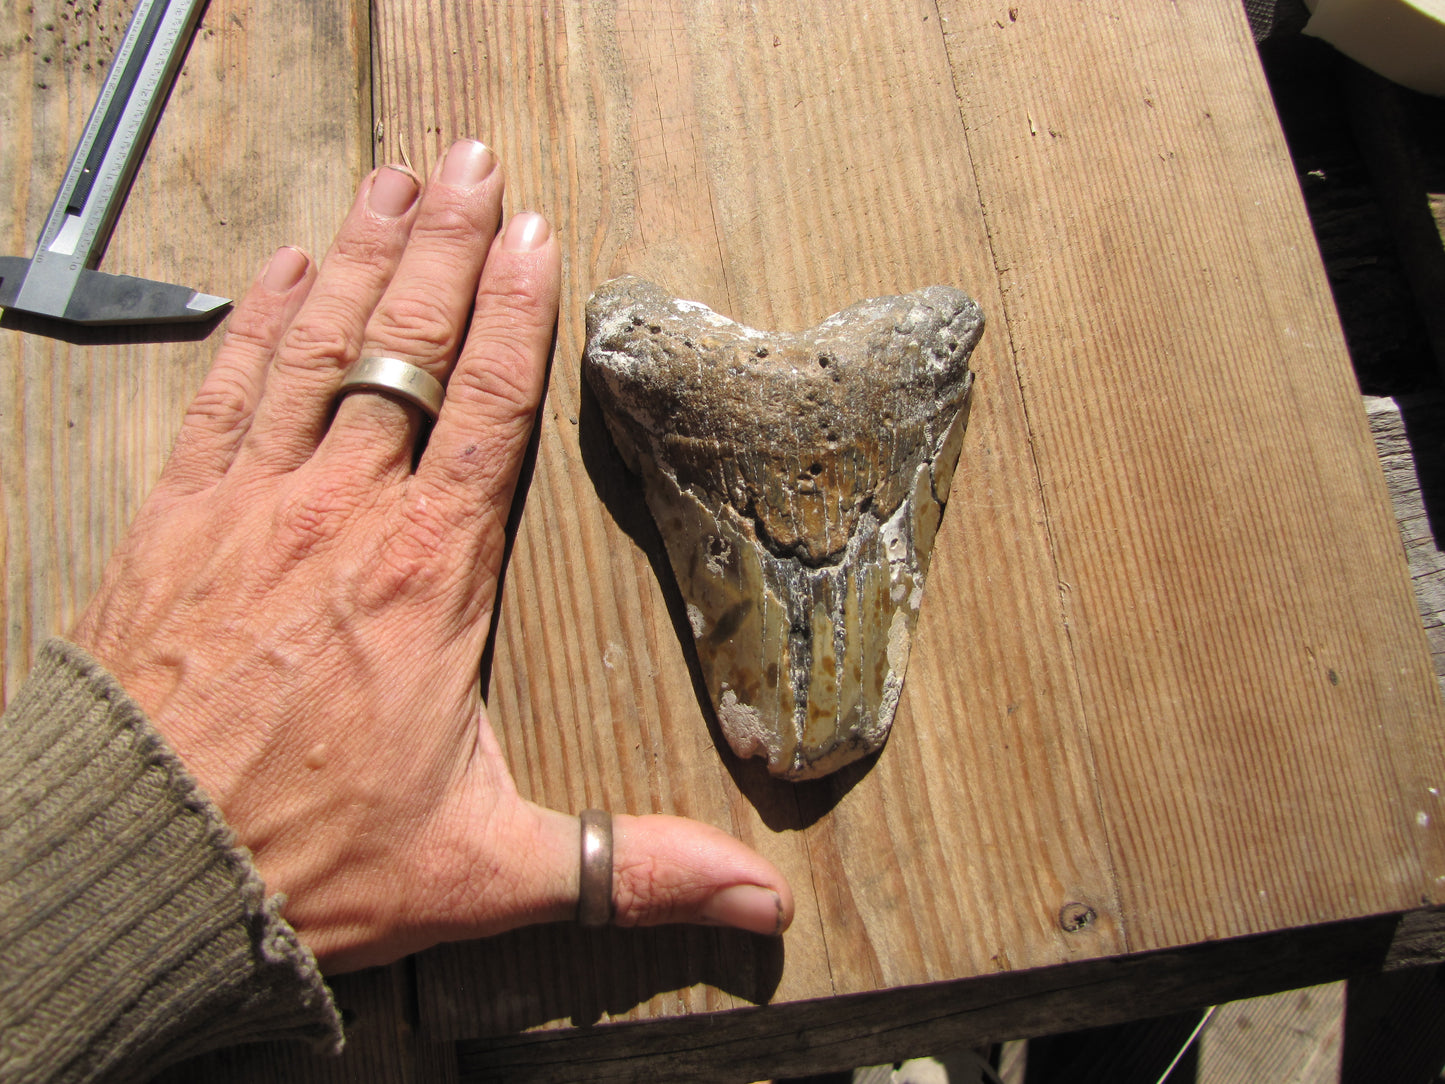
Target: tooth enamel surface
(798,481)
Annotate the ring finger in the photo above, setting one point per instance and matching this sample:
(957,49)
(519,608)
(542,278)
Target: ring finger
(422,314)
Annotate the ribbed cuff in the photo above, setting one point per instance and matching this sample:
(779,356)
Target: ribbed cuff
(133,931)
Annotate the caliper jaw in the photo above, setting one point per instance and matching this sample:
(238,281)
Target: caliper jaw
(102,298)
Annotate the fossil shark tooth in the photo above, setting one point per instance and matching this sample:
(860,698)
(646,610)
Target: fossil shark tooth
(797,481)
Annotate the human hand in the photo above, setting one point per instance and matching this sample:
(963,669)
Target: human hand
(301,612)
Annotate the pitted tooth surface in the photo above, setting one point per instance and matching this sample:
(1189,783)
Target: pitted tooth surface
(798,480)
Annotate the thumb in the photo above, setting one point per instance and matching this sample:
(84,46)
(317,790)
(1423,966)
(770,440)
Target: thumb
(670,869)
(664,869)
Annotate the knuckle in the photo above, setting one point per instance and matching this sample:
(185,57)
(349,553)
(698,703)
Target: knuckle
(479,520)
(318,338)
(402,571)
(222,399)
(511,301)
(309,517)
(417,323)
(504,376)
(521,288)
(450,225)
(408,566)
(436,514)
(366,249)
(253,327)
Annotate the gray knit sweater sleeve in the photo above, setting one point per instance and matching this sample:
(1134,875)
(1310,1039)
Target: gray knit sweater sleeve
(133,931)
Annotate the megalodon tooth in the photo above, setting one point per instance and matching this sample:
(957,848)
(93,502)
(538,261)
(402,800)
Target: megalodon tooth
(797,481)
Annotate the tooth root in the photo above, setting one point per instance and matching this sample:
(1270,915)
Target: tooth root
(798,481)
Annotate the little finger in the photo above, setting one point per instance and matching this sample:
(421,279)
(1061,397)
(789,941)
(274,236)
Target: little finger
(220,415)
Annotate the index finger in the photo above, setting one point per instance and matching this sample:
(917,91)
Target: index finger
(469,469)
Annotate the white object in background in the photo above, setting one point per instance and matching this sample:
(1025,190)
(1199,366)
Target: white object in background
(1403,40)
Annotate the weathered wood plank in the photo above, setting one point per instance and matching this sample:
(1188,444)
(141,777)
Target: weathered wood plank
(1293,1036)
(1159,596)
(1409,436)
(1167,687)
(870,1029)
(705,146)
(1236,598)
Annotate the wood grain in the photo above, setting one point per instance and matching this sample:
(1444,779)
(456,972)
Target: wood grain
(1168,689)
(1215,506)
(1143,644)
(1294,1036)
(870,1029)
(1118,580)
(652,149)
(1407,432)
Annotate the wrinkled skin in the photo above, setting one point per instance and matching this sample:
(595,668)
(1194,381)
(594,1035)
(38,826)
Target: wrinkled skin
(301,612)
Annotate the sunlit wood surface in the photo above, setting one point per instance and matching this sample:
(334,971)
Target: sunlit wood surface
(1168,687)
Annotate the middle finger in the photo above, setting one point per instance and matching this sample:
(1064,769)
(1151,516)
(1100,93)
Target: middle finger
(421,316)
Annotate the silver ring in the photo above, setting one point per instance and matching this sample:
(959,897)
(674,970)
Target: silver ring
(392,376)
(594,885)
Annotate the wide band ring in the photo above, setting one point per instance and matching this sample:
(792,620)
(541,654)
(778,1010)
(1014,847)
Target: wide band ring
(594,885)
(401,379)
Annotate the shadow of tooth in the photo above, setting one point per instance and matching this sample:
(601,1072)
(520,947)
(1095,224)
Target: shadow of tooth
(797,481)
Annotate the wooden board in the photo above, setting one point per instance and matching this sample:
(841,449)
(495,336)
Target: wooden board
(1407,434)
(653,146)
(1169,625)
(1214,503)
(805,1037)
(1294,1036)
(1168,688)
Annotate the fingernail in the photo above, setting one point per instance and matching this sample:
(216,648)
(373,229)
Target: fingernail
(467,162)
(527,230)
(748,907)
(392,192)
(285,269)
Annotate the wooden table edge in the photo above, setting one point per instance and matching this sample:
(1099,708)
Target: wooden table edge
(835,1034)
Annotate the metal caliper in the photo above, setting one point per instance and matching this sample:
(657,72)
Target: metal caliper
(60,281)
